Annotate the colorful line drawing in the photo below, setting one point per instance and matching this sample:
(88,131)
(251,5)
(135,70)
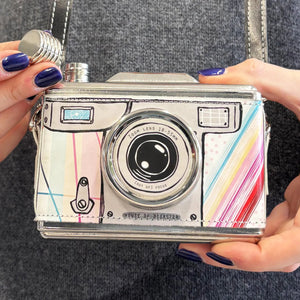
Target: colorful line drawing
(75,166)
(232,190)
(235,189)
(50,193)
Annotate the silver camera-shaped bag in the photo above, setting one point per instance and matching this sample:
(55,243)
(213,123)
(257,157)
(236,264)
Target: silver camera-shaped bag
(151,157)
(148,156)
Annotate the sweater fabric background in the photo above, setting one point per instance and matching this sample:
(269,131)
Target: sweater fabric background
(142,36)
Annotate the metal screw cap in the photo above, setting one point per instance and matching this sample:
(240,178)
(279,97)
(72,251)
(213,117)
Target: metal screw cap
(41,46)
(76,72)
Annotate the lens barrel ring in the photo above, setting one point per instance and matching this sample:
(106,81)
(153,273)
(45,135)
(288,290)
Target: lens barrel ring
(140,180)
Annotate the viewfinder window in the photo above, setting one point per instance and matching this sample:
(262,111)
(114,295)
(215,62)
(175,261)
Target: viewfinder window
(77,115)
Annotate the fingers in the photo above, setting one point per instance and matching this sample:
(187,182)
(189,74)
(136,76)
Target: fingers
(292,196)
(290,269)
(12,116)
(18,82)
(9,45)
(194,252)
(12,63)
(278,250)
(27,83)
(251,256)
(273,82)
(275,253)
(277,219)
(13,137)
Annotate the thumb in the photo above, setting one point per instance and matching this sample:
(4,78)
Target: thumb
(279,252)
(273,82)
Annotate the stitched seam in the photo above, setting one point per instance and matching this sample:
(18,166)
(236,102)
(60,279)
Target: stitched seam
(112,100)
(52,15)
(65,25)
(263,41)
(165,220)
(248,29)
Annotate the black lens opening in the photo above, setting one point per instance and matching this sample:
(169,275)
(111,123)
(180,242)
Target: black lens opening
(152,157)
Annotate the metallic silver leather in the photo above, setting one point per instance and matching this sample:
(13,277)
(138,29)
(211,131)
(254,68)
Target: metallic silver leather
(256,29)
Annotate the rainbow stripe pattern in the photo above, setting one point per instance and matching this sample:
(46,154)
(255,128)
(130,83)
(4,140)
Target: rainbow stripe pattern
(233,183)
(76,155)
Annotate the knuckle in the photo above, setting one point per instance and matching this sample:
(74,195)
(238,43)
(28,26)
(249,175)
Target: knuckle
(254,66)
(15,94)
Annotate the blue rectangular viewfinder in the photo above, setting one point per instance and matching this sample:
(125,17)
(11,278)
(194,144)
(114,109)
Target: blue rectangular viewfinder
(77,114)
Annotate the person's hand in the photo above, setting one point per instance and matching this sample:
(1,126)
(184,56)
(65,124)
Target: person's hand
(279,248)
(19,84)
(273,82)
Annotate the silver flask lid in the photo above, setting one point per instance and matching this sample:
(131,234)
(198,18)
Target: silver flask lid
(76,72)
(41,46)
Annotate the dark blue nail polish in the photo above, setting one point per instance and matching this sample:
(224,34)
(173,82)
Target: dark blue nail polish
(212,72)
(31,98)
(48,77)
(15,62)
(48,31)
(220,259)
(189,255)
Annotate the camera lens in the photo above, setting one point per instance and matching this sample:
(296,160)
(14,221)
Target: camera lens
(152,157)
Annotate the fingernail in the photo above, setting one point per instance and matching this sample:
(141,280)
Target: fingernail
(220,259)
(15,62)
(48,77)
(212,72)
(188,255)
(31,98)
(48,31)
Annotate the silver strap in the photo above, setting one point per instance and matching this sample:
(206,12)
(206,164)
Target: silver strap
(256,29)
